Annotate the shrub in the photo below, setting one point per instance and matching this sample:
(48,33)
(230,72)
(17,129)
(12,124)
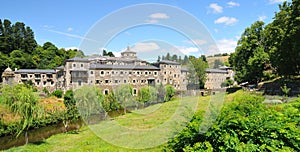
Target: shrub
(57,93)
(170,93)
(245,125)
(46,91)
(147,94)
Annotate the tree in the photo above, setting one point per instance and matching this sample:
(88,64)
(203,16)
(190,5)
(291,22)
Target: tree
(105,53)
(249,59)
(124,95)
(158,58)
(217,63)
(22,101)
(196,74)
(89,101)
(170,93)
(147,94)
(174,57)
(168,56)
(283,39)
(185,60)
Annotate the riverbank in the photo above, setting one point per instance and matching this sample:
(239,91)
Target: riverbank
(87,140)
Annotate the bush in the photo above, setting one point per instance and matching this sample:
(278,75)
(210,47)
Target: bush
(170,93)
(245,125)
(57,93)
(147,94)
(46,91)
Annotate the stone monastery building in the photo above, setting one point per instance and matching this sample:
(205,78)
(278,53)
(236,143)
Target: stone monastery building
(104,71)
(110,72)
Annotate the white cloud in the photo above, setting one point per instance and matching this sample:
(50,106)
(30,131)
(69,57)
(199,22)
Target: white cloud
(145,47)
(159,16)
(227,45)
(72,48)
(223,46)
(226,20)
(262,18)
(276,1)
(187,50)
(216,30)
(216,8)
(70,29)
(232,4)
(151,21)
(117,54)
(196,41)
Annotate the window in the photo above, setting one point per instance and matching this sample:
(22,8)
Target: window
(150,72)
(106,91)
(112,72)
(44,82)
(155,73)
(121,72)
(165,72)
(97,81)
(146,73)
(124,81)
(81,65)
(138,72)
(102,72)
(37,76)
(116,81)
(79,83)
(74,65)
(107,72)
(92,72)
(106,81)
(133,81)
(24,75)
(129,72)
(134,91)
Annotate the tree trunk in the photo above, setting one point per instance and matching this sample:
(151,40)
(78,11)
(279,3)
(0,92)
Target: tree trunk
(26,138)
(124,109)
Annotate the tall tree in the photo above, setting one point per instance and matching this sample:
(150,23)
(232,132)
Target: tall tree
(283,39)
(249,58)
(168,56)
(124,95)
(196,68)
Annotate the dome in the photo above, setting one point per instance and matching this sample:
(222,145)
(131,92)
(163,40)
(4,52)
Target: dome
(8,69)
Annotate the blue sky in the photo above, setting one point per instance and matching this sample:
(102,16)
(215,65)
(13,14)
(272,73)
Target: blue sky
(67,23)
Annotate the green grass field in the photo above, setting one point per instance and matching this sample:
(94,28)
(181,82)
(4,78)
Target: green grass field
(146,129)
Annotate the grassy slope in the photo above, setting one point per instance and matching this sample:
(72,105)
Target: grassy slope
(211,60)
(151,117)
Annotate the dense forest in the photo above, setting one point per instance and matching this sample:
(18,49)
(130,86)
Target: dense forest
(19,49)
(267,51)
